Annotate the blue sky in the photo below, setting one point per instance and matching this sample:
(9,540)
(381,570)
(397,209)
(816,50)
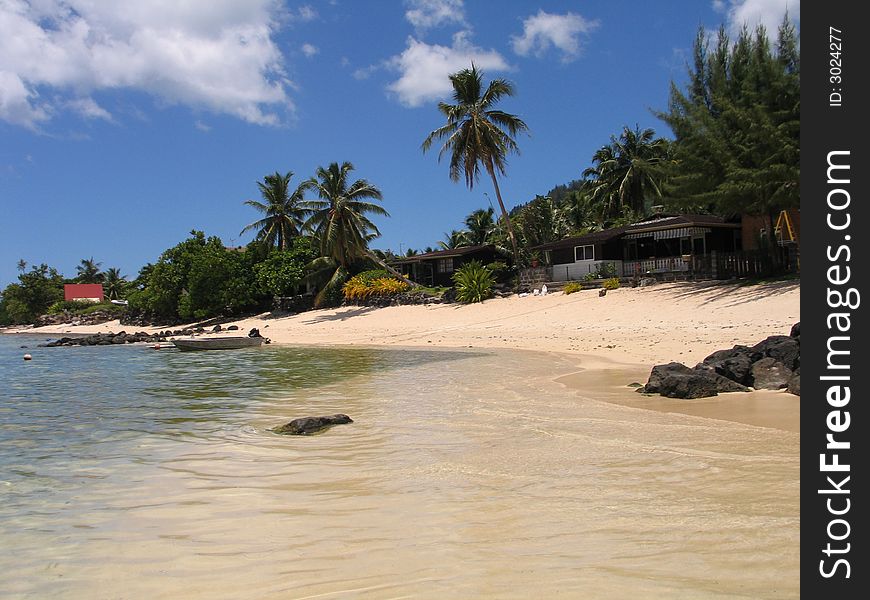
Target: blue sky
(124,124)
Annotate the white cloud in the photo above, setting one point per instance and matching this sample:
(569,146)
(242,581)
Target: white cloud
(543,30)
(204,127)
(426,14)
(425,68)
(306,13)
(212,54)
(757,12)
(89,109)
(309,50)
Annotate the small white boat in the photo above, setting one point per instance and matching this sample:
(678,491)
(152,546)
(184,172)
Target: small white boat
(218,343)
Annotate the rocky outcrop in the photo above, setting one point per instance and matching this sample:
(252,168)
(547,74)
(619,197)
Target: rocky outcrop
(309,425)
(676,380)
(772,364)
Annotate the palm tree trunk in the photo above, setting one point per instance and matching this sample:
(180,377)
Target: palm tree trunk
(373,257)
(490,168)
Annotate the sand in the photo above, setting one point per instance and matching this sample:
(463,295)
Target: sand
(683,321)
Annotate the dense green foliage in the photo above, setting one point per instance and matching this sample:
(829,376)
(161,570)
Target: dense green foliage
(282,272)
(473,282)
(572,287)
(737,125)
(35,291)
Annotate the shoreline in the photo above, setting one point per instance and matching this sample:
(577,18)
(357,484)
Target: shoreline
(620,335)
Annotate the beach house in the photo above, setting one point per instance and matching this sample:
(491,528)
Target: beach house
(437,268)
(84,292)
(662,243)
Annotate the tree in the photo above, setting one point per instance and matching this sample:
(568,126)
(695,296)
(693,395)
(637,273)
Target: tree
(628,171)
(35,291)
(114,283)
(477,134)
(737,125)
(281,273)
(22,265)
(540,222)
(89,271)
(339,224)
(454,239)
(283,210)
(480,226)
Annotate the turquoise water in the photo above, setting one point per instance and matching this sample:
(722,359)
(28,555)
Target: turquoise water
(128,472)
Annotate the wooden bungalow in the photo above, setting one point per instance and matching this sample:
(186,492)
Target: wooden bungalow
(660,244)
(437,268)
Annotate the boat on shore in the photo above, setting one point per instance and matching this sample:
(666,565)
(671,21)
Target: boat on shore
(218,343)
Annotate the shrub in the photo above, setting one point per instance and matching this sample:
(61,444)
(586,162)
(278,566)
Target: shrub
(374,283)
(500,270)
(611,284)
(473,282)
(590,276)
(606,270)
(573,286)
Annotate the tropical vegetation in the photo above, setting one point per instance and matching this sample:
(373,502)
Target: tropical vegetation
(734,150)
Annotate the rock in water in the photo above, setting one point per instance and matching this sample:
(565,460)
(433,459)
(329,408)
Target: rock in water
(307,425)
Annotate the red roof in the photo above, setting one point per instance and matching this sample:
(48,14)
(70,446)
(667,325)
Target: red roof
(75,291)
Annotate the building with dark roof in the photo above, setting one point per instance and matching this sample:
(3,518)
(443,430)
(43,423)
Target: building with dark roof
(660,243)
(437,268)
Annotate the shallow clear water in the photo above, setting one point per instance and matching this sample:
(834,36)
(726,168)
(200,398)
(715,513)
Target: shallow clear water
(132,473)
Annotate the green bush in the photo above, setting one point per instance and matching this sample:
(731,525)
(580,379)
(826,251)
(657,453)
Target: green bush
(473,282)
(500,270)
(590,276)
(573,286)
(611,284)
(606,270)
(66,306)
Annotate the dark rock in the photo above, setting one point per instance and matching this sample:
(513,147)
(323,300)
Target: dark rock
(233,328)
(795,331)
(217,328)
(660,372)
(770,374)
(254,332)
(308,425)
(635,384)
(676,380)
(602,292)
(694,384)
(782,348)
(735,364)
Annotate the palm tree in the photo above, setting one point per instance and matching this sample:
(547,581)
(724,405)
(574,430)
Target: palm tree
(480,226)
(284,212)
(476,134)
(22,265)
(340,226)
(454,239)
(89,271)
(114,283)
(628,170)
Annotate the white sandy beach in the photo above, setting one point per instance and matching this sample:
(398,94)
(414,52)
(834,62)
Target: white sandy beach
(682,321)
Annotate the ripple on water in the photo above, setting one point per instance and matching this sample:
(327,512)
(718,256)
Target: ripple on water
(133,473)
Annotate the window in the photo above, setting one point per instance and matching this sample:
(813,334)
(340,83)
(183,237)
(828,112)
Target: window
(445,265)
(584,253)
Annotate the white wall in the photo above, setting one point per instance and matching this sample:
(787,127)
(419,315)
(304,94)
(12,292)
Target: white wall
(578,270)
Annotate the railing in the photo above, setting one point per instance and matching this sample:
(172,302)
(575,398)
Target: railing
(719,265)
(581,269)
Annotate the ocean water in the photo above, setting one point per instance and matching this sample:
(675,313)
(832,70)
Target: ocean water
(127,472)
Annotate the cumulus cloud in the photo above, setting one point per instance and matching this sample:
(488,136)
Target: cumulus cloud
(426,14)
(545,30)
(757,12)
(424,68)
(309,50)
(213,54)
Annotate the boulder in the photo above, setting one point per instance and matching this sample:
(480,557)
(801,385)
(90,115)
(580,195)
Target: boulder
(782,348)
(676,380)
(217,328)
(694,384)
(233,328)
(735,364)
(308,425)
(602,292)
(770,374)
(795,330)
